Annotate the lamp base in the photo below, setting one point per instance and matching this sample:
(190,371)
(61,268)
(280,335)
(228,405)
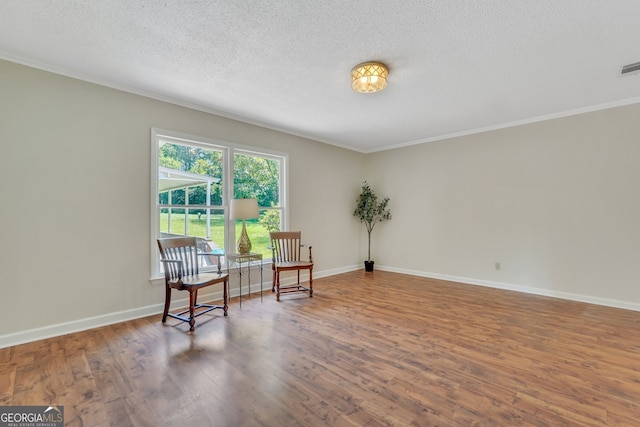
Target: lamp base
(244,244)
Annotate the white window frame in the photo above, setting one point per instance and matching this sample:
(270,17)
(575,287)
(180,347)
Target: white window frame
(228,150)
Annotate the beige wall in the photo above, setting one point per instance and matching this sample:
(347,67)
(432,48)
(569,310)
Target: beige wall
(74,185)
(557,203)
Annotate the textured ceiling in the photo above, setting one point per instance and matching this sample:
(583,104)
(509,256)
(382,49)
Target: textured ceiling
(456,66)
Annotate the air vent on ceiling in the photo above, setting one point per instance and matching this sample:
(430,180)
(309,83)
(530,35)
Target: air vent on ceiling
(631,68)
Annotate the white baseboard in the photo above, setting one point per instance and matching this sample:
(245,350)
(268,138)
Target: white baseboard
(77,325)
(518,288)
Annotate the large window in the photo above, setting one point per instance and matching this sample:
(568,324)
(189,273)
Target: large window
(193,180)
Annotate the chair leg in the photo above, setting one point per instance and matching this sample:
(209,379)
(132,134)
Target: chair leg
(277,273)
(167,302)
(193,295)
(310,283)
(273,281)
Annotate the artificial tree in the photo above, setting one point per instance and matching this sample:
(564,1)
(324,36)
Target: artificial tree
(371,211)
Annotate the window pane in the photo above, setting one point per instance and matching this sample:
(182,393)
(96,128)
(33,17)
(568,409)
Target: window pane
(190,177)
(193,222)
(183,170)
(172,222)
(209,239)
(256,177)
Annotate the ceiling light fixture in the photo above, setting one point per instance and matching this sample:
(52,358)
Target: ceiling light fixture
(369,77)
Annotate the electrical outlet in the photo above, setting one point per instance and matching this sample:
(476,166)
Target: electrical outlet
(498,266)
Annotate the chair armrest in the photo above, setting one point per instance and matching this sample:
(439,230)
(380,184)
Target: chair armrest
(170,264)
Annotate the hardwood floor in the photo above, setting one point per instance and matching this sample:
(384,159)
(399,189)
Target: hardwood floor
(368,349)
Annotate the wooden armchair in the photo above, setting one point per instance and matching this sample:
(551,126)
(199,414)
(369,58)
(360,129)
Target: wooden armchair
(179,257)
(285,247)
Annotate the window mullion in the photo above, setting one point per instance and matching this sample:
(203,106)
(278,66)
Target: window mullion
(186,211)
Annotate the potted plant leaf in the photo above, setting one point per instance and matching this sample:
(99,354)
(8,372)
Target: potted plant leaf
(371,211)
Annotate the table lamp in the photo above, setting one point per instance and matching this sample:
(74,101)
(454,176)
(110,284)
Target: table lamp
(244,209)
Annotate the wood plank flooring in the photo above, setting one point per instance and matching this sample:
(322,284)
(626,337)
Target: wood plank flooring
(379,349)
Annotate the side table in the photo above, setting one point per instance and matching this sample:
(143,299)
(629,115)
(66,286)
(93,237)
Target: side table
(249,260)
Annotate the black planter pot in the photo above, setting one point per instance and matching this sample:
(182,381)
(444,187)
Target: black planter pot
(368,266)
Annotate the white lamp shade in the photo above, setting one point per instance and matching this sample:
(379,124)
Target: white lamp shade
(244,209)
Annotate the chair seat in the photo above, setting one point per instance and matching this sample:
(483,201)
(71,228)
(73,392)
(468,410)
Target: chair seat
(294,265)
(199,280)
